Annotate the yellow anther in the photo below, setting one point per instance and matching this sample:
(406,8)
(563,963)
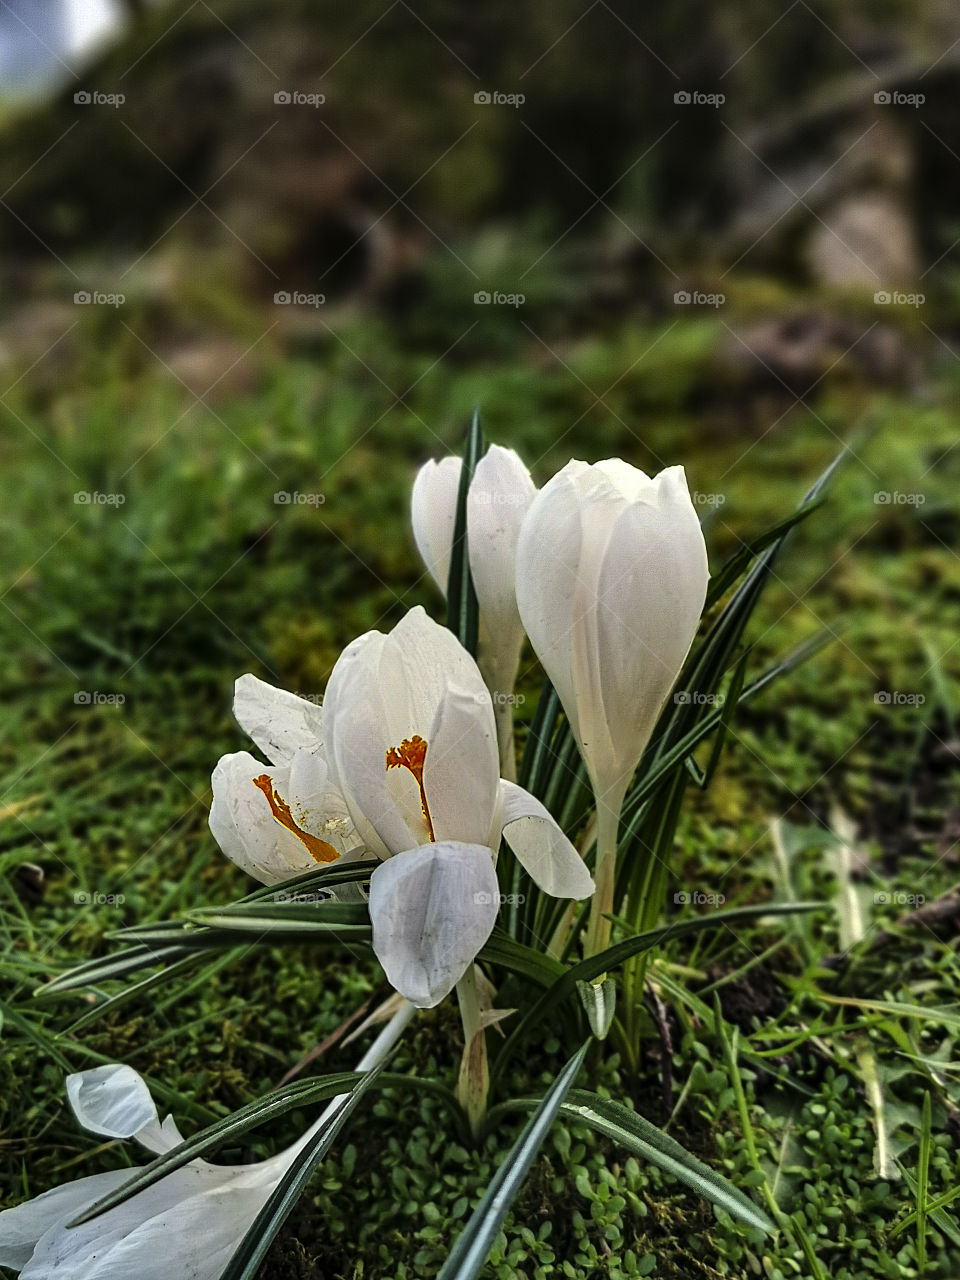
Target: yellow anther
(411,754)
(318,849)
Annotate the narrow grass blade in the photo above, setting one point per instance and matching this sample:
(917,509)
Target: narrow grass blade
(565,985)
(643,1139)
(736,566)
(527,961)
(469,1254)
(462,611)
(253,1248)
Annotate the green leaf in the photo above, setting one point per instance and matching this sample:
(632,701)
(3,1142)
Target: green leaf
(257,923)
(663,764)
(253,1247)
(566,983)
(321,878)
(470,1251)
(347,920)
(703,671)
(536,751)
(736,566)
(132,992)
(643,1139)
(93,972)
(599,999)
(462,611)
(530,963)
(287,1098)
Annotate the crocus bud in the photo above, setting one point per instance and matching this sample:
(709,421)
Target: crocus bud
(498,499)
(611,581)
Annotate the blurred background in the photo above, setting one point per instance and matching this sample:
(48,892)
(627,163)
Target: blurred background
(259,261)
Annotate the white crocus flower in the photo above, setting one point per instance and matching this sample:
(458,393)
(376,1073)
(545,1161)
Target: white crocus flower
(499,496)
(402,766)
(188,1225)
(411,745)
(611,581)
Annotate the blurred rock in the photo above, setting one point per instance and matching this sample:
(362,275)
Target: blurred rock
(865,242)
(216,368)
(796,351)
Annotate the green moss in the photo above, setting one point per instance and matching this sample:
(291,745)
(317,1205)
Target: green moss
(199,576)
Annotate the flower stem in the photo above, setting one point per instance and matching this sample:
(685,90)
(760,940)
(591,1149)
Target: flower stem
(605,872)
(503,714)
(473,1083)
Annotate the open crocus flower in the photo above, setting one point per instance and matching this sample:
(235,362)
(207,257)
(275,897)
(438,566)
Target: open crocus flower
(405,767)
(283,818)
(611,581)
(499,496)
(186,1225)
(411,746)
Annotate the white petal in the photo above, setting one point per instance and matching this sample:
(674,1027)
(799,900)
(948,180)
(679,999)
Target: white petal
(188,1225)
(383,691)
(651,588)
(542,849)
(280,723)
(22,1226)
(432,909)
(499,497)
(358,738)
(112,1100)
(548,568)
(461,772)
(419,661)
(247,832)
(433,513)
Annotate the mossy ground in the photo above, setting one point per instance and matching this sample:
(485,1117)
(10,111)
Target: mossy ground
(200,576)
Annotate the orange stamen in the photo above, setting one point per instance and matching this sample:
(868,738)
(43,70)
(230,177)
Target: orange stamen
(318,849)
(411,754)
